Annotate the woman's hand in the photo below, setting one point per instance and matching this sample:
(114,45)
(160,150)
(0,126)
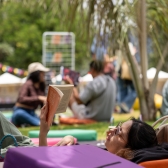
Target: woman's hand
(68,80)
(111,132)
(67,140)
(42,99)
(44,128)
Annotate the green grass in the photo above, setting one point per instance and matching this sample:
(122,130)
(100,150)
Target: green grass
(100,127)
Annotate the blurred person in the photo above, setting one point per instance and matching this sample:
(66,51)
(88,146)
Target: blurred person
(164,108)
(99,47)
(126,93)
(109,68)
(97,100)
(31,95)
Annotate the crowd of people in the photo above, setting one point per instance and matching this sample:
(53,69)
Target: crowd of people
(108,92)
(96,101)
(133,140)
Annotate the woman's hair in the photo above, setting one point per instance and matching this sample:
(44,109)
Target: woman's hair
(141,135)
(97,65)
(35,78)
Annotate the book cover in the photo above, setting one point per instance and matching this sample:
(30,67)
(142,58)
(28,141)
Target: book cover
(53,100)
(58,98)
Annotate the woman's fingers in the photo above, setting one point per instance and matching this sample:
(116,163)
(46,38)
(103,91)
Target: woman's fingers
(44,109)
(67,140)
(58,144)
(70,143)
(111,131)
(61,143)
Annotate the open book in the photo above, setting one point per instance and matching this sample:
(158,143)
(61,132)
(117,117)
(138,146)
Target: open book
(58,98)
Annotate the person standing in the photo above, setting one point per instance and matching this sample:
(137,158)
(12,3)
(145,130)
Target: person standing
(164,108)
(31,95)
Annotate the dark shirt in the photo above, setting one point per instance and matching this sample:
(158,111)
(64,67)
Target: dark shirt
(148,154)
(28,95)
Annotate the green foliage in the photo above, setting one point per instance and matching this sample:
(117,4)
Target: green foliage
(158,29)
(5,51)
(22,26)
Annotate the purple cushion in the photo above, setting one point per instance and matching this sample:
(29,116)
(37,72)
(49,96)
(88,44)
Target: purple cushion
(77,156)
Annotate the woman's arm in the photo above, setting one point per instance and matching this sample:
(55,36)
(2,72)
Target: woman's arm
(44,128)
(76,96)
(28,94)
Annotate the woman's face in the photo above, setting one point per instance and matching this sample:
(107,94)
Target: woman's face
(117,138)
(42,77)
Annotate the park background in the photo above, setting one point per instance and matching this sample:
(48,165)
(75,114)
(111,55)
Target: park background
(22,24)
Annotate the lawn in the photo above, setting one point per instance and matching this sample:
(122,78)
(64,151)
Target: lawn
(100,127)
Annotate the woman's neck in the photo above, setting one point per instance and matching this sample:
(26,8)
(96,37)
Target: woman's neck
(36,85)
(97,74)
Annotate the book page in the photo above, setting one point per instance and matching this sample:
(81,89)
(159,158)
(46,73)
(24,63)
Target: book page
(53,98)
(67,91)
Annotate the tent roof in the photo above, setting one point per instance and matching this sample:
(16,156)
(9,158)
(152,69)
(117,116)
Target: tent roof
(7,78)
(23,80)
(152,71)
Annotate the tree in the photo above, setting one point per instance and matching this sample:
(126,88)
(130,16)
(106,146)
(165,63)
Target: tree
(5,51)
(23,23)
(146,94)
(119,17)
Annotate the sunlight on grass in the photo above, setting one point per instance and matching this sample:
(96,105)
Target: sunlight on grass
(100,127)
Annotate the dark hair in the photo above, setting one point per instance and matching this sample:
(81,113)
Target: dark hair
(97,65)
(35,78)
(141,135)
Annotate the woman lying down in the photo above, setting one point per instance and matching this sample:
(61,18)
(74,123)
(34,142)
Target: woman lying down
(133,140)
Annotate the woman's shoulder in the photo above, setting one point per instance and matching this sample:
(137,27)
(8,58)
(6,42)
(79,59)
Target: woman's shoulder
(28,83)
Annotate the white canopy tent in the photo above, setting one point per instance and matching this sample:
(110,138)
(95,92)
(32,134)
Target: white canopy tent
(7,78)
(9,88)
(162,78)
(152,71)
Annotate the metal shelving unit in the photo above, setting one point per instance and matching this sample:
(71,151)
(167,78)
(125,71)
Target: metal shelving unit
(58,50)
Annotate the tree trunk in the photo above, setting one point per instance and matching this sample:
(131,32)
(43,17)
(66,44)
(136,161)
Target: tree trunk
(143,42)
(138,84)
(146,101)
(149,106)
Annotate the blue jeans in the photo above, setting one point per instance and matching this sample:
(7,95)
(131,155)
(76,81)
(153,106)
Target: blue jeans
(25,116)
(126,92)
